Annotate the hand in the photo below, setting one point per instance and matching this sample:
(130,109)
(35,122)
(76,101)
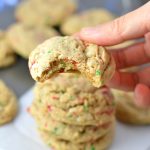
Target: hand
(133,25)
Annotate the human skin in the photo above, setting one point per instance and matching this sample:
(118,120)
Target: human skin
(133,25)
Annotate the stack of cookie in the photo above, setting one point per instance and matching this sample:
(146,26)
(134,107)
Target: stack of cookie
(72,114)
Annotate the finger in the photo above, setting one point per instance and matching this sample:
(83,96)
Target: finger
(134,55)
(147,44)
(128,81)
(123,81)
(142,95)
(130,26)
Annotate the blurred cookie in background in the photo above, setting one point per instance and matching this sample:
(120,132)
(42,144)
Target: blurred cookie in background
(127,111)
(24,39)
(8,104)
(7,55)
(92,17)
(49,12)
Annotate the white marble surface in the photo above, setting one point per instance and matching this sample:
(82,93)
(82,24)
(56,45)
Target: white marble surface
(22,133)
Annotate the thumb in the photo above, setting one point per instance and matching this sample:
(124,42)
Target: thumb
(132,25)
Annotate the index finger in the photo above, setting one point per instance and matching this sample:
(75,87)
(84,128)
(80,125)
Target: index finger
(130,26)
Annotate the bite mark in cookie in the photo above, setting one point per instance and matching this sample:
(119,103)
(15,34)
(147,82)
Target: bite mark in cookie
(65,54)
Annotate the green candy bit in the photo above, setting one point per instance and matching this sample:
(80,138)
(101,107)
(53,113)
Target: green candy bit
(92,147)
(49,144)
(69,116)
(62,91)
(113,103)
(56,131)
(40,101)
(85,107)
(63,65)
(71,98)
(85,148)
(98,72)
(49,51)
(102,82)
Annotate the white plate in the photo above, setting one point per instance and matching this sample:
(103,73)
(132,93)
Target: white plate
(22,134)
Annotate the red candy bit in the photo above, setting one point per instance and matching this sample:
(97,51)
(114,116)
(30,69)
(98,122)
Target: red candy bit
(95,128)
(81,100)
(92,140)
(48,68)
(53,120)
(33,62)
(86,43)
(72,62)
(107,112)
(49,108)
(106,125)
(104,89)
(28,109)
(66,59)
(46,125)
(55,97)
(61,70)
(75,113)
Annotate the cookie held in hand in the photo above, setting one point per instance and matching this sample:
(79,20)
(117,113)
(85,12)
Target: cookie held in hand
(68,54)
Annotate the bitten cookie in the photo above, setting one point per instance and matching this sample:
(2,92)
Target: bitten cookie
(24,39)
(7,55)
(87,18)
(39,13)
(63,54)
(127,111)
(8,104)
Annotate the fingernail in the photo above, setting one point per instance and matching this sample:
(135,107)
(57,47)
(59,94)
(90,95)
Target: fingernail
(142,94)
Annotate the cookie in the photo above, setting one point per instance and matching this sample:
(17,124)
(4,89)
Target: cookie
(8,104)
(39,13)
(79,116)
(7,55)
(70,112)
(88,106)
(87,18)
(127,111)
(60,130)
(24,39)
(101,144)
(64,54)
(63,91)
